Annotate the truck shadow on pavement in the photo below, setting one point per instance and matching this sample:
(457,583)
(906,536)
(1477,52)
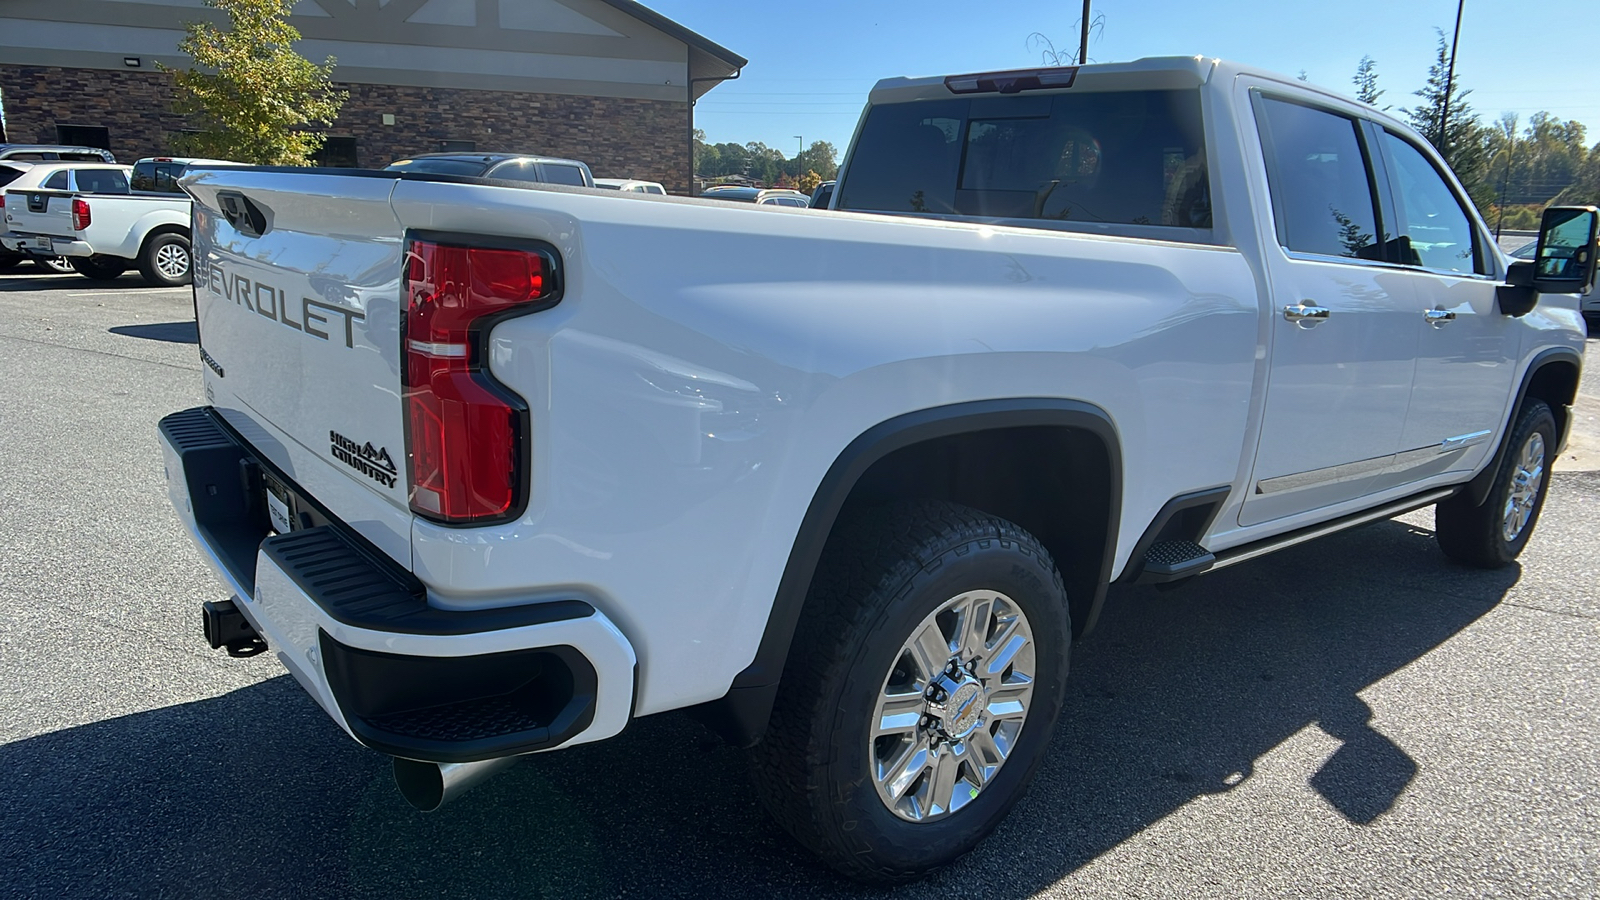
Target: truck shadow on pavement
(1173,698)
(170,332)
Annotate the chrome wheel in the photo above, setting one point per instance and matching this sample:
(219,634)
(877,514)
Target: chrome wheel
(172,261)
(1526,481)
(952,706)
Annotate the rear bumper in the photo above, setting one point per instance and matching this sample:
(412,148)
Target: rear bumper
(357,631)
(22,242)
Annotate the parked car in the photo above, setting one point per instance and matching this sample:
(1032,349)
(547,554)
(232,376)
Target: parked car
(494,470)
(53,152)
(503,166)
(160,174)
(630,186)
(89,214)
(1589,301)
(23,176)
(758,196)
(823,195)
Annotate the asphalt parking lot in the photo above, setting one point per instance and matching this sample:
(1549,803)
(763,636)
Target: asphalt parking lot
(1350,718)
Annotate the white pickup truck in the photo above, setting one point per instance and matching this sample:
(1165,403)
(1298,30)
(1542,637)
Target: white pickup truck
(496,469)
(89,215)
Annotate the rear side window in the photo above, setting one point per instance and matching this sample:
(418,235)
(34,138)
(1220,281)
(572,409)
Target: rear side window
(8,175)
(1125,157)
(518,170)
(563,175)
(101,181)
(56,182)
(1317,171)
(1431,217)
(655,189)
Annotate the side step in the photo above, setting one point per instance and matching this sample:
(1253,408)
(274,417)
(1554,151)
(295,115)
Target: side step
(1172,560)
(1235,555)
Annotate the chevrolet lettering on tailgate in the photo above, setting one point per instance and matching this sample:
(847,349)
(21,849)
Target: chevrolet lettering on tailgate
(272,303)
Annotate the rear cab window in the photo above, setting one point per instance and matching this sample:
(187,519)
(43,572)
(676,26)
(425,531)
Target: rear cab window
(1063,160)
(101,181)
(157,176)
(56,182)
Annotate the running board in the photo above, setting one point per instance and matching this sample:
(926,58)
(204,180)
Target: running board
(1225,558)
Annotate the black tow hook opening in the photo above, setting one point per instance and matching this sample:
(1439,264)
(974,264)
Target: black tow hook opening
(227,629)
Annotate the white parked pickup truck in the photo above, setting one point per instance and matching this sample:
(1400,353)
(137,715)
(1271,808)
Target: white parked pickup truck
(89,215)
(497,469)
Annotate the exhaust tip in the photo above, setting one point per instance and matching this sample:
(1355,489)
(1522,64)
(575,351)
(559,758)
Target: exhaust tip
(429,785)
(420,783)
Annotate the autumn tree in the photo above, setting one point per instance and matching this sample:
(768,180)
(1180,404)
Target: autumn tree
(253,97)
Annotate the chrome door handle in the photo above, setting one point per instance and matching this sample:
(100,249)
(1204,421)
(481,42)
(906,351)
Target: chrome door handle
(1437,317)
(1305,314)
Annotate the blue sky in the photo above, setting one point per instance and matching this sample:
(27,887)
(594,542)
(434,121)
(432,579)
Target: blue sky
(811,64)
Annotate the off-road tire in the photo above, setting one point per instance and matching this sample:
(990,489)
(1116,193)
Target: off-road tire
(881,574)
(99,268)
(1475,535)
(152,260)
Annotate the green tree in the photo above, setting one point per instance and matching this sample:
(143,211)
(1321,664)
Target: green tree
(821,157)
(253,97)
(1453,128)
(1366,81)
(1585,187)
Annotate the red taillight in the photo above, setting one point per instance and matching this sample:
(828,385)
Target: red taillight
(80,214)
(465,432)
(2,201)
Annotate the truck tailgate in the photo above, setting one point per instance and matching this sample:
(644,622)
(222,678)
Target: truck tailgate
(40,212)
(298,305)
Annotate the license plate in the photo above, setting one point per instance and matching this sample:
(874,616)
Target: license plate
(278,505)
(41,243)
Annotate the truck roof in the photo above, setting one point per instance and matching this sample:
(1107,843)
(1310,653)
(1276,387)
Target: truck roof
(1148,73)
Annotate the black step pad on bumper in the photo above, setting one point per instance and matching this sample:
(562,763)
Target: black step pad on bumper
(357,590)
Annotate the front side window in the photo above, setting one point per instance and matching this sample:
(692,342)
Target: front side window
(1123,157)
(1431,218)
(1322,193)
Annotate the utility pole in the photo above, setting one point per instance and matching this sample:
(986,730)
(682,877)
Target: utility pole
(797,172)
(1083,42)
(1449,80)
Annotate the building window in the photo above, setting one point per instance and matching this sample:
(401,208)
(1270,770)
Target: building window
(84,136)
(457,146)
(337,153)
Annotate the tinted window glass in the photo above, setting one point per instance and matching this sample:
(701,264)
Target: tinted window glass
(56,182)
(564,174)
(521,170)
(1127,157)
(144,176)
(469,167)
(8,175)
(1321,193)
(29,155)
(101,181)
(1431,217)
(655,189)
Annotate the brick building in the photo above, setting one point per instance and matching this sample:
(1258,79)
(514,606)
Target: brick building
(609,82)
